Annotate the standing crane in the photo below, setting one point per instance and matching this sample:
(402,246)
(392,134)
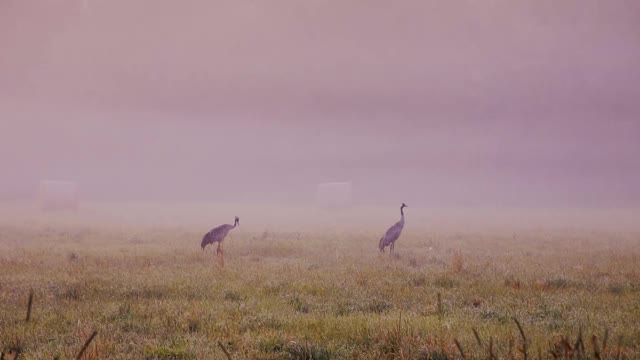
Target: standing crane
(217,235)
(390,237)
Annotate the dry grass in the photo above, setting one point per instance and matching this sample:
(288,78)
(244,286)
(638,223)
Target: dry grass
(457,261)
(151,293)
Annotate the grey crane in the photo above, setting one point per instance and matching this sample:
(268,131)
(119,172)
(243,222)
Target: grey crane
(218,234)
(390,237)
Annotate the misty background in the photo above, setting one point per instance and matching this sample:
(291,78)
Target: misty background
(432,103)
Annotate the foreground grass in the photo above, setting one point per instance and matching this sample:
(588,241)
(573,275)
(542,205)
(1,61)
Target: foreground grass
(150,293)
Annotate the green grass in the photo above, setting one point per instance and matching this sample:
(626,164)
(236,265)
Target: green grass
(151,293)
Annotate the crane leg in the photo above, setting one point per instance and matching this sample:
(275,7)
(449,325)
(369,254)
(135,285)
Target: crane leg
(221,255)
(392,246)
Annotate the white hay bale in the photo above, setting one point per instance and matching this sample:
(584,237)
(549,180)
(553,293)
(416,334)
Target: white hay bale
(334,194)
(58,195)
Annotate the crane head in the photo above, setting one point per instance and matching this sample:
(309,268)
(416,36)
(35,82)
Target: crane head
(404,205)
(237,222)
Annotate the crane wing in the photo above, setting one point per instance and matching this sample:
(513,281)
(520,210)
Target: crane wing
(393,233)
(216,234)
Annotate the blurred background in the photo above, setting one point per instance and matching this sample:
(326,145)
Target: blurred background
(434,103)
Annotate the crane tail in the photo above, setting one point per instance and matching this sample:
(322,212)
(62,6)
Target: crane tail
(205,241)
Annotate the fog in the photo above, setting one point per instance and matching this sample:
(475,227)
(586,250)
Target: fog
(433,103)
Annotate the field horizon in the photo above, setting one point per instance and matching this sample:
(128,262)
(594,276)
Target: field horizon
(300,282)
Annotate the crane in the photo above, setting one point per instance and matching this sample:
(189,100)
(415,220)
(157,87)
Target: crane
(218,234)
(390,237)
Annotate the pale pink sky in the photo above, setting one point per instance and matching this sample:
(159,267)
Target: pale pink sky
(528,103)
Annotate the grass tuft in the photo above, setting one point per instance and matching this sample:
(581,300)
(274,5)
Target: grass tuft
(307,351)
(164,353)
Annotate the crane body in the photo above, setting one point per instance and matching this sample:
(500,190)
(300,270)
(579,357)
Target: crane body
(390,237)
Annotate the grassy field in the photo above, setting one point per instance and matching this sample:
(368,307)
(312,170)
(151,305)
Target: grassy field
(307,284)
